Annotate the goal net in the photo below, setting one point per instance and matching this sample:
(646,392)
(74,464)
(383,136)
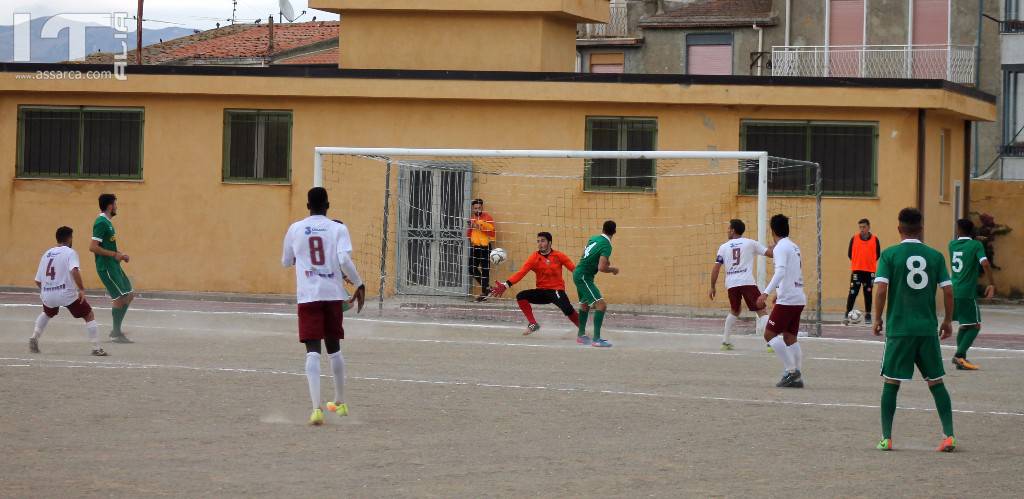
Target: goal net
(409,210)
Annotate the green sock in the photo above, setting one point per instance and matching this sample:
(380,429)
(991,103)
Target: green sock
(598,320)
(118,314)
(889,392)
(964,339)
(584,314)
(944,406)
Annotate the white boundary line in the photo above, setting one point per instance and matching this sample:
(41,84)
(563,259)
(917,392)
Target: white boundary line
(71,364)
(486,326)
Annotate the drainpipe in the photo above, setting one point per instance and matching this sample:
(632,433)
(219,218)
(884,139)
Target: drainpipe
(760,48)
(921,139)
(828,41)
(966,193)
(788,4)
(977,84)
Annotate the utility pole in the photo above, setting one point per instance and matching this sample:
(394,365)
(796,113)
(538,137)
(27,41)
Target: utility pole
(138,35)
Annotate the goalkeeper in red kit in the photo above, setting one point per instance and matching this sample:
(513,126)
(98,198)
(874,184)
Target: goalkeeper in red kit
(547,264)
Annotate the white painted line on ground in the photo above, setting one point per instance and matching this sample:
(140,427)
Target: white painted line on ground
(117,365)
(501,326)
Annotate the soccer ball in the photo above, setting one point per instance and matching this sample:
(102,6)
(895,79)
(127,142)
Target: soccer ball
(498,255)
(855,316)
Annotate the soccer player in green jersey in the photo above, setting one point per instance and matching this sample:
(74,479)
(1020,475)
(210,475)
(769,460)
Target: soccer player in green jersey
(907,278)
(966,257)
(108,264)
(594,260)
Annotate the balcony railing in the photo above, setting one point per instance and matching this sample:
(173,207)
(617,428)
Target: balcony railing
(617,27)
(1012,150)
(1011,26)
(954,63)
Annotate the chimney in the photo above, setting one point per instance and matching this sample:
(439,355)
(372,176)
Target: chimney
(270,24)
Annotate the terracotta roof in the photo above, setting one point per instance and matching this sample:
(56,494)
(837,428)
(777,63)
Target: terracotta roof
(237,41)
(714,13)
(325,56)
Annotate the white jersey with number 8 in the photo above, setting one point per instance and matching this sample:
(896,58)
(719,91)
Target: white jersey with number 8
(320,249)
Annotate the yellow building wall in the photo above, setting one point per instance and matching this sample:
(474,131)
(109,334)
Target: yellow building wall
(187,230)
(428,40)
(940,215)
(1003,200)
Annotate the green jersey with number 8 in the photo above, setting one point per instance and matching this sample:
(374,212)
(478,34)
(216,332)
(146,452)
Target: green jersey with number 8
(913,271)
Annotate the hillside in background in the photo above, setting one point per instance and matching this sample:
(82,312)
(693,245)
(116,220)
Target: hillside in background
(97,38)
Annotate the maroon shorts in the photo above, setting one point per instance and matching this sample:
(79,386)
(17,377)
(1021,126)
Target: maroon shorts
(785,319)
(748,293)
(320,320)
(78,309)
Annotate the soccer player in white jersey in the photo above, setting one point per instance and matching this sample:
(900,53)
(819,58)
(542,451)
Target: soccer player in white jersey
(60,285)
(320,249)
(737,255)
(784,321)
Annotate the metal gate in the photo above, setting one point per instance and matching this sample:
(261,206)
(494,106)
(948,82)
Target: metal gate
(434,207)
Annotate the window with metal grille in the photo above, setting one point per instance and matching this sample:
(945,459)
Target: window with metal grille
(846,151)
(79,142)
(620,134)
(257,146)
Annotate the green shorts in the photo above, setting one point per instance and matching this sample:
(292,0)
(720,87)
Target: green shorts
(902,353)
(115,280)
(587,290)
(966,312)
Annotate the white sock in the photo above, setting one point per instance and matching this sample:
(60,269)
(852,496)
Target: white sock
(41,322)
(338,368)
(730,322)
(762,322)
(783,352)
(313,377)
(798,355)
(91,329)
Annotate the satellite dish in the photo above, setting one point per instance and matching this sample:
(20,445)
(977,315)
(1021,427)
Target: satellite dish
(287,11)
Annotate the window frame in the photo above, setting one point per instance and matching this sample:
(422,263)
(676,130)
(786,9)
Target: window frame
(79,163)
(717,38)
(620,163)
(809,124)
(226,147)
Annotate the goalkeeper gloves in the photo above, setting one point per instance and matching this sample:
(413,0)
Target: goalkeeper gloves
(500,288)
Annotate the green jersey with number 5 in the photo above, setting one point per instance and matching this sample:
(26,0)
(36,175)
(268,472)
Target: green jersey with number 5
(913,271)
(965,256)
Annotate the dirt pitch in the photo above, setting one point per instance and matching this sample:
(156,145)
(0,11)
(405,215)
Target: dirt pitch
(211,402)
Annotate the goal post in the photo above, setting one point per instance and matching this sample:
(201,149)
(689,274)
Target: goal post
(667,201)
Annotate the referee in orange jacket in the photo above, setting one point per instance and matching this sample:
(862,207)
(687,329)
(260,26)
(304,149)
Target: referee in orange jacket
(863,252)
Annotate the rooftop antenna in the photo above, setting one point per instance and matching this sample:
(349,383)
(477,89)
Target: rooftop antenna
(234,10)
(286,11)
(138,36)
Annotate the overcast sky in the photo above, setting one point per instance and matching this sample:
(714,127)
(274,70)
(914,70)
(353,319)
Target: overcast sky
(201,14)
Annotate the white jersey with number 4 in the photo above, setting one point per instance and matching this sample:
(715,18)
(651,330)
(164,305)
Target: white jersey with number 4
(320,249)
(737,256)
(58,285)
(789,274)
